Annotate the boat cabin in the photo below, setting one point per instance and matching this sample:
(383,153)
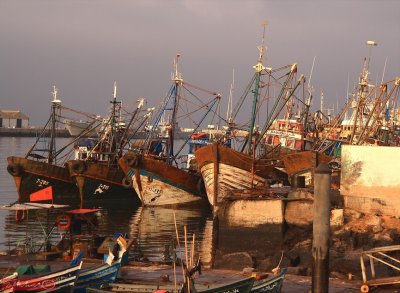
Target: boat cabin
(288,134)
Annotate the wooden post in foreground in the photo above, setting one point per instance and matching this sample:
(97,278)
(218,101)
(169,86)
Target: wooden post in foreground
(321,229)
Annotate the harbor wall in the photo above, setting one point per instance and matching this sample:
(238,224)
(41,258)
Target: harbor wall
(370,179)
(30,132)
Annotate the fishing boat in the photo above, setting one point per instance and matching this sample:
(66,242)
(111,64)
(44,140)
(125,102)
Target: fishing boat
(241,286)
(97,276)
(270,285)
(94,168)
(59,281)
(156,175)
(40,170)
(103,274)
(225,169)
(76,127)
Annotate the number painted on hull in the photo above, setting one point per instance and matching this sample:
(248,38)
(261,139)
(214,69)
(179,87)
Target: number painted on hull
(101,189)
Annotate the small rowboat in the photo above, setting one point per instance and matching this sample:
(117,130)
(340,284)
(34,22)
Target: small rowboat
(62,280)
(97,276)
(241,286)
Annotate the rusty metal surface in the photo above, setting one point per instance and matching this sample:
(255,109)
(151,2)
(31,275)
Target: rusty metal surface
(380,255)
(158,183)
(160,168)
(100,183)
(303,161)
(100,171)
(36,175)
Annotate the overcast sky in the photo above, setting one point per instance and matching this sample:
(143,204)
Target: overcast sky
(83,46)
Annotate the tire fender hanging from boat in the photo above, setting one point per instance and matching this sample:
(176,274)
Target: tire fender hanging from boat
(14,169)
(79,166)
(127,181)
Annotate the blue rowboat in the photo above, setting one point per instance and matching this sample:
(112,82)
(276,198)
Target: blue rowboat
(97,276)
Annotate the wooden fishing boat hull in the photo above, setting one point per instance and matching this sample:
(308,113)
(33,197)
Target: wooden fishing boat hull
(32,176)
(303,163)
(224,169)
(99,183)
(62,281)
(97,276)
(158,183)
(270,285)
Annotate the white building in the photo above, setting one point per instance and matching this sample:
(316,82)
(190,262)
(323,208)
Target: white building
(13,119)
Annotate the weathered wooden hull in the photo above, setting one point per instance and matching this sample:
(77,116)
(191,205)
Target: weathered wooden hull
(158,183)
(224,169)
(33,176)
(100,184)
(303,161)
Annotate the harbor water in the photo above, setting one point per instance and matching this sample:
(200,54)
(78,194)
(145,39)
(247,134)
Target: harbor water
(152,228)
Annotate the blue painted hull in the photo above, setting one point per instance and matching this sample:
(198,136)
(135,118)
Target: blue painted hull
(96,276)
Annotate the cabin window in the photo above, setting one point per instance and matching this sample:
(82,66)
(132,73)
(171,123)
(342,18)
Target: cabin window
(276,140)
(270,139)
(83,156)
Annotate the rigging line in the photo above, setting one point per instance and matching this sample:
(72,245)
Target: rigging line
(202,119)
(38,138)
(200,89)
(301,79)
(277,101)
(195,96)
(93,116)
(242,98)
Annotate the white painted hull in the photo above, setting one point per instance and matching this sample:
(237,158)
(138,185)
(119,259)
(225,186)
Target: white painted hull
(229,178)
(158,193)
(75,128)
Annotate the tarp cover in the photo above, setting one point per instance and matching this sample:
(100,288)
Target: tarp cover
(32,269)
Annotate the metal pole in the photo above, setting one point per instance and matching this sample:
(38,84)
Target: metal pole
(321,229)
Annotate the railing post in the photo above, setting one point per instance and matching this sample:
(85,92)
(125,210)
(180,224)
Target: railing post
(321,229)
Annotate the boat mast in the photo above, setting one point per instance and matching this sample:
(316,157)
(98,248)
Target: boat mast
(55,104)
(177,79)
(113,121)
(259,67)
(363,92)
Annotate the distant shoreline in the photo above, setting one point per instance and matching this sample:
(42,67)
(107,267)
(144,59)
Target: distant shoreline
(30,132)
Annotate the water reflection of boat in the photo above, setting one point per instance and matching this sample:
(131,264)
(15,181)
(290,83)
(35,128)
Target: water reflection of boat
(153,229)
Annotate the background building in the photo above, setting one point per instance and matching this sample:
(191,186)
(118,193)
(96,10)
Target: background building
(13,119)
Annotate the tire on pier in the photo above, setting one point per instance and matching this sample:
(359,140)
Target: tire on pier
(127,181)
(14,169)
(79,167)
